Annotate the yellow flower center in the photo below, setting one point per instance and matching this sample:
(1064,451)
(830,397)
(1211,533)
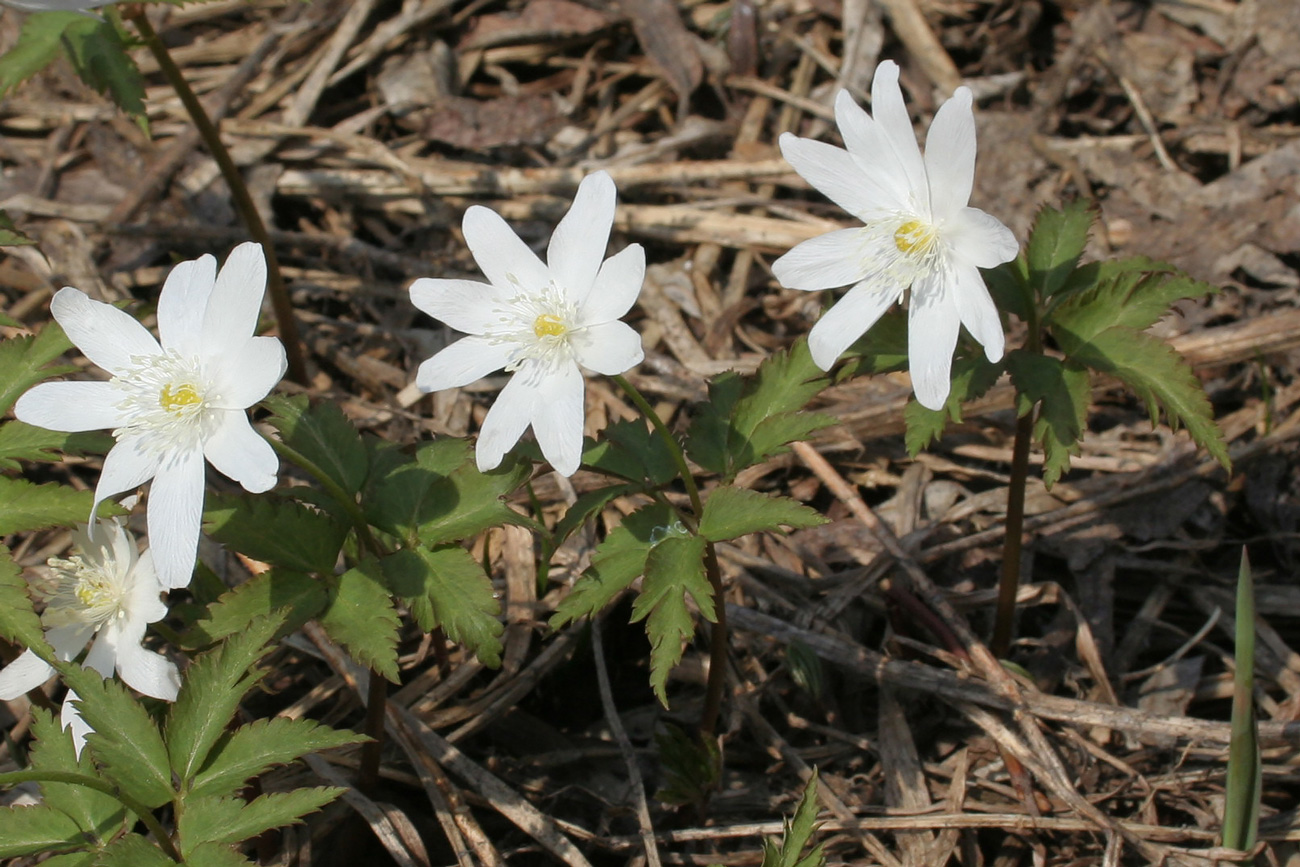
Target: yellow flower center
(176,399)
(547,325)
(914,237)
(95,591)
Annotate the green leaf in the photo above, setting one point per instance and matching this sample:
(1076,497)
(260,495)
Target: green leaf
(215,855)
(23,442)
(881,350)
(256,748)
(464,502)
(1158,375)
(1063,390)
(1056,242)
(587,505)
(691,766)
(99,55)
(631,450)
(361,618)
(210,695)
(732,512)
(39,43)
(281,532)
(19,622)
(230,820)
(9,234)
(99,815)
(323,435)
(1134,293)
(125,741)
(71,859)
(24,360)
(445,587)
(616,563)
(971,378)
(299,598)
(37,830)
(24,506)
(1008,283)
(1244,786)
(797,835)
(674,568)
(132,850)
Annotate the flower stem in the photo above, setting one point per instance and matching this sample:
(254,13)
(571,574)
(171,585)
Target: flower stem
(280,302)
(1012,543)
(143,813)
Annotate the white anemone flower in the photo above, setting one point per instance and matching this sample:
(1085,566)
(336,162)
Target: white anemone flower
(542,322)
(106,592)
(918,233)
(170,405)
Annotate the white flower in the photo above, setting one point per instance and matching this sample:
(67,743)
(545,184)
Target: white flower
(918,233)
(539,321)
(172,405)
(106,593)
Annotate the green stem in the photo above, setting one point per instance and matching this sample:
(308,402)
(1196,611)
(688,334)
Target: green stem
(280,302)
(143,813)
(1012,543)
(349,504)
(674,448)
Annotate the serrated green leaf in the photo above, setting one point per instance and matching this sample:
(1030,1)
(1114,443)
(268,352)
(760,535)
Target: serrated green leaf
(797,834)
(323,435)
(674,568)
(1008,284)
(19,622)
(10,236)
(277,531)
(1158,375)
(883,348)
(464,502)
(100,57)
(39,43)
(256,748)
(733,512)
(1056,242)
(616,563)
(23,442)
(691,766)
(37,830)
(125,741)
(298,597)
(1244,786)
(1134,293)
(709,434)
(132,850)
(71,859)
(216,855)
(24,361)
(362,619)
(24,506)
(214,685)
(971,378)
(631,450)
(99,815)
(1062,389)
(587,505)
(230,820)
(445,587)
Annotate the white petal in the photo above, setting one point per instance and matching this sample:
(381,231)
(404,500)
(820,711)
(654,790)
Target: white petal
(69,641)
(182,302)
(175,510)
(873,156)
(102,657)
(71,406)
(609,348)
(236,301)
(849,319)
(463,362)
(127,466)
(932,326)
(145,602)
(558,419)
(618,283)
(507,419)
(245,374)
(505,260)
(70,718)
(240,453)
(978,312)
(143,670)
(890,114)
(837,176)
(578,245)
(950,155)
(465,305)
(835,259)
(23,675)
(980,239)
(107,336)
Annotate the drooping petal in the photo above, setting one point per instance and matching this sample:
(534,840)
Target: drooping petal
(980,239)
(175,510)
(506,420)
(23,675)
(978,312)
(102,657)
(836,175)
(873,155)
(182,303)
(240,453)
(68,641)
(143,670)
(558,418)
(578,245)
(128,465)
(245,374)
(616,288)
(609,348)
(107,336)
(70,718)
(235,302)
(145,602)
(835,259)
(71,406)
(849,319)
(504,259)
(932,326)
(463,362)
(890,114)
(465,305)
(950,155)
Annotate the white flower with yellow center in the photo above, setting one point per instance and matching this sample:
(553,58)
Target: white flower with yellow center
(542,322)
(170,405)
(107,593)
(918,233)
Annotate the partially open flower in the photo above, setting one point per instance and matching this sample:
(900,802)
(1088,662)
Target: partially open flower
(107,593)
